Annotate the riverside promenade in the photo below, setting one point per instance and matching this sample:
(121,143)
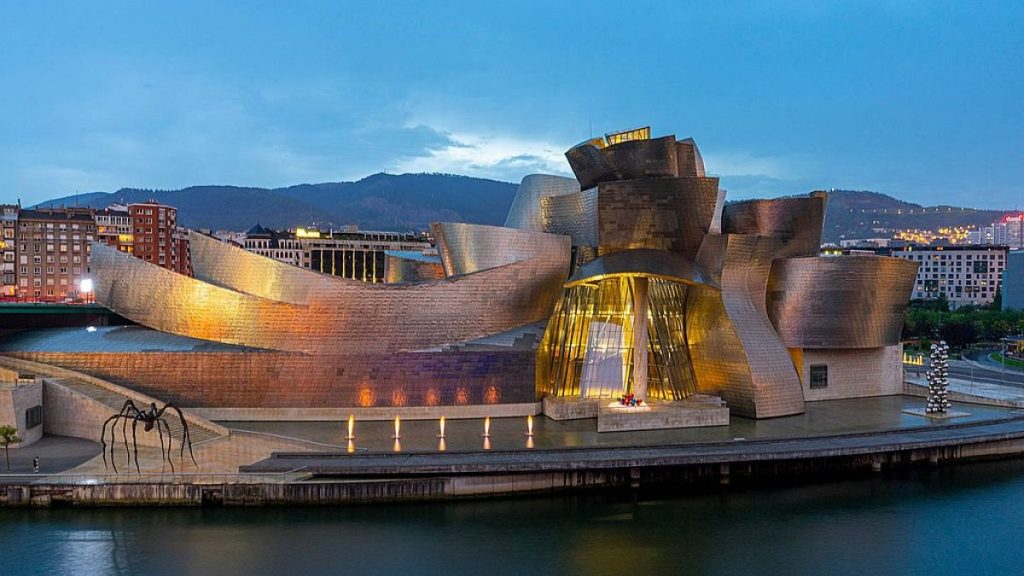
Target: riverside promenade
(338,477)
(887,447)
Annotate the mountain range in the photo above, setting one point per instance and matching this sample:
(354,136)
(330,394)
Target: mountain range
(403,202)
(379,202)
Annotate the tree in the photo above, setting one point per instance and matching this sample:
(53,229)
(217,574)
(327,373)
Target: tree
(8,436)
(959,331)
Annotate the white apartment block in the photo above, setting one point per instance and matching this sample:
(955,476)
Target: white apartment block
(965,275)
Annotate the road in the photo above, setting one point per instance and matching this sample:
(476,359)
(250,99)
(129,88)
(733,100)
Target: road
(963,370)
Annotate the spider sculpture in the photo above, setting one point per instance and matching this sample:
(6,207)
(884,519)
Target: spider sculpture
(151,417)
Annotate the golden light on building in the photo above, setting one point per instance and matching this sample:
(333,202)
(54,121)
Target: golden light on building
(307,233)
(628,135)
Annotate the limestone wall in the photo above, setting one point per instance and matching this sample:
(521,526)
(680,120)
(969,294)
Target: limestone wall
(14,401)
(66,413)
(855,373)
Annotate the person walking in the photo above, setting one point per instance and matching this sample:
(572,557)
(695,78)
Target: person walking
(35,464)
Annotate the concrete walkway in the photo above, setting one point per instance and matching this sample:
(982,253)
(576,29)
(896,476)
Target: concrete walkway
(55,453)
(827,418)
(341,464)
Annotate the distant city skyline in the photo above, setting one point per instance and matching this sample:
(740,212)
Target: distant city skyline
(921,101)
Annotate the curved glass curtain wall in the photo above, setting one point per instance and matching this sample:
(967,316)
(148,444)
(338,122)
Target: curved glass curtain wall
(587,349)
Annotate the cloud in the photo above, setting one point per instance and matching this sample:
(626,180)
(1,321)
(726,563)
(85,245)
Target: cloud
(506,158)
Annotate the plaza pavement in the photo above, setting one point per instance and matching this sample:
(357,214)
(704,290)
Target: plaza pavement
(251,442)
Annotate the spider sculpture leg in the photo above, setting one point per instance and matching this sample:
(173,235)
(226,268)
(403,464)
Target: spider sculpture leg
(162,451)
(128,410)
(186,438)
(103,440)
(170,441)
(124,436)
(135,444)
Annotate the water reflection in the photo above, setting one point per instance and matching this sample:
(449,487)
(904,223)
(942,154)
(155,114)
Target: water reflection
(880,525)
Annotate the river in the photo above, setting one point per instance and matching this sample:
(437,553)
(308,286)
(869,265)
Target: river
(963,520)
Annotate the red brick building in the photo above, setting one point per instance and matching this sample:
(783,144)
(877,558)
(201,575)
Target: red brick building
(155,236)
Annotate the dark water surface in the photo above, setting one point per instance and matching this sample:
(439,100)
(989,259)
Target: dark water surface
(965,520)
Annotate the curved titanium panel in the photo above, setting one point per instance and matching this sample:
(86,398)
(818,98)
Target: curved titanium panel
(158,298)
(593,163)
(689,159)
(469,248)
(588,164)
(217,263)
(643,263)
(633,159)
(659,213)
(573,215)
(796,222)
(841,301)
(735,349)
(398,269)
(525,212)
(324,313)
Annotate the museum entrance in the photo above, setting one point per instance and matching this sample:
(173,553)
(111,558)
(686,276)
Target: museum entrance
(616,336)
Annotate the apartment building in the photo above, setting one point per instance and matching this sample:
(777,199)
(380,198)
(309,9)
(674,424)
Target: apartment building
(963,274)
(52,253)
(8,251)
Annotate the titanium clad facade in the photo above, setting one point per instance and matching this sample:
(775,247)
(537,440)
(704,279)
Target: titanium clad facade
(335,314)
(470,248)
(689,159)
(572,215)
(637,159)
(219,264)
(774,384)
(638,276)
(672,214)
(525,212)
(401,269)
(589,164)
(797,223)
(841,301)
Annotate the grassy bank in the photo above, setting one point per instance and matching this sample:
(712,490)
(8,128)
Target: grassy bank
(1005,361)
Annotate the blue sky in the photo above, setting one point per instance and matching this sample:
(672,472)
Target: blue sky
(920,100)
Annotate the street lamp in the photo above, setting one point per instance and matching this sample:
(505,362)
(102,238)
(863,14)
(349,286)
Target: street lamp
(85,287)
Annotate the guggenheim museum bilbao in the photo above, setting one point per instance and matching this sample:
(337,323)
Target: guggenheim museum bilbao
(633,278)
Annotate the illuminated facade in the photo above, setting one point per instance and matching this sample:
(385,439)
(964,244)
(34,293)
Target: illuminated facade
(634,278)
(674,293)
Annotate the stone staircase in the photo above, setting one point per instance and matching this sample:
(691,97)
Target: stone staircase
(113,397)
(115,401)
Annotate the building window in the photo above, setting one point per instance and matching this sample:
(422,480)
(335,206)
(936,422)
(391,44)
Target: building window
(819,376)
(33,417)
